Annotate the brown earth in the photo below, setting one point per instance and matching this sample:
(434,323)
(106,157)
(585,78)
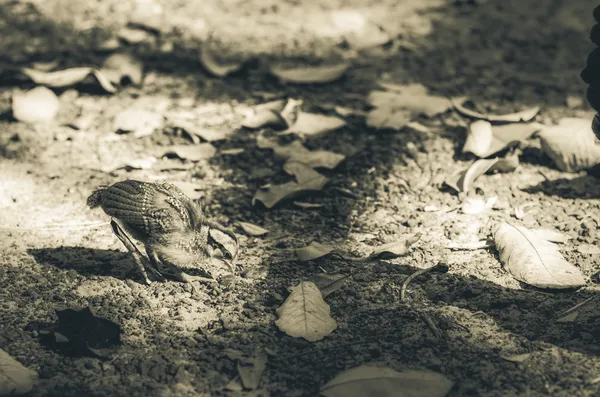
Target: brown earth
(504,55)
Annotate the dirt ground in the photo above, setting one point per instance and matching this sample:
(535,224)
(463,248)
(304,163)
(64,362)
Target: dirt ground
(55,253)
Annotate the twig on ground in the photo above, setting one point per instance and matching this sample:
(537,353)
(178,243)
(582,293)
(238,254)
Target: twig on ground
(413,276)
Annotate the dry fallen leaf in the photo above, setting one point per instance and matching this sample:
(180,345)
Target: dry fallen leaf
(307,180)
(571,144)
(190,189)
(304,314)
(369,380)
(517,358)
(509,163)
(15,379)
(359,32)
(266,115)
(308,124)
(118,68)
(518,117)
(479,138)
(307,205)
(213,66)
(313,251)
(36,105)
(68,77)
(253,230)
(251,369)
(395,249)
(132,35)
(328,283)
(296,151)
(311,74)
(531,259)
(140,122)
(193,130)
(461,181)
(192,152)
(396,107)
(569,318)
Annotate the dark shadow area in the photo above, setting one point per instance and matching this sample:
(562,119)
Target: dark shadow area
(88,262)
(583,187)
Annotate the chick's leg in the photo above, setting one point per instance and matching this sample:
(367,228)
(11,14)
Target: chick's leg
(140,260)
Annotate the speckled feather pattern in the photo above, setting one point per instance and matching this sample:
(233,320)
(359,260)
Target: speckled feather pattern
(168,222)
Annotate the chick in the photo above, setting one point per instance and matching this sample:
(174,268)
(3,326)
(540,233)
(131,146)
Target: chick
(169,224)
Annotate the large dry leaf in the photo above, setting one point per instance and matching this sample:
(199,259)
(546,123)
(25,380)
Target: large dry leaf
(313,251)
(308,124)
(140,122)
(483,140)
(461,181)
(296,151)
(304,314)
(36,105)
(395,108)
(532,259)
(571,144)
(508,135)
(307,180)
(192,152)
(15,379)
(311,74)
(395,248)
(68,77)
(369,380)
(518,117)
(252,229)
(214,67)
(118,68)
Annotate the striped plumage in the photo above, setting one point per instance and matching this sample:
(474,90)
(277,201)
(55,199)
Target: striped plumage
(169,224)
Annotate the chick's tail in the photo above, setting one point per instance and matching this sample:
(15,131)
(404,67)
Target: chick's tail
(95,199)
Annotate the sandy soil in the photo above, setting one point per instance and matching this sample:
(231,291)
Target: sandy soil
(56,253)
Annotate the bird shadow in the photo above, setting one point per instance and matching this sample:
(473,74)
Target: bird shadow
(88,261)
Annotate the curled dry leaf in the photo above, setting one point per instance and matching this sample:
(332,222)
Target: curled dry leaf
(213,66)
(253,230)
(266,115)
(396,248)
(311,74)
(68,77)
(571,144)
(532,259)
(123,68)
(304,314)
(308,124)
(36,105)
(483,140)
(296,151)
(307,180)
(137,121)
(133,35)
(313,251)
(194,131)
(15,379)
(479,138)
(328,283)
(518,117)
(192,152)
(369,380)
(461,181)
